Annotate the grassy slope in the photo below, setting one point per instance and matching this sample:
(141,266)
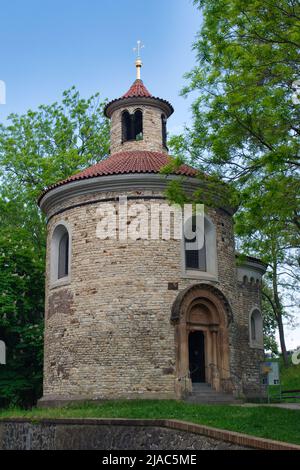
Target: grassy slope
(272,423)
(290,380)
(290,377)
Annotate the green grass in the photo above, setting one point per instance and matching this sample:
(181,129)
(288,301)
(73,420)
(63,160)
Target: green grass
(269,422)
(290,377)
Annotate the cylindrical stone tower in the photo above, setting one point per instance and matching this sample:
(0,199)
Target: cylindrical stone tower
(130,317)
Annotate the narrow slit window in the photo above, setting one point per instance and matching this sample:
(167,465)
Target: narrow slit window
(253,328)
(195,259)
(63,256)
(138,125)
(127,130)
(164,130)
(60,257)
(256,329)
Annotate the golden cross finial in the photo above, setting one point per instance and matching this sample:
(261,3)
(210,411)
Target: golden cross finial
(138,62)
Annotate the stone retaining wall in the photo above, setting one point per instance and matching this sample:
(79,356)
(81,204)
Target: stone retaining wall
(122,434)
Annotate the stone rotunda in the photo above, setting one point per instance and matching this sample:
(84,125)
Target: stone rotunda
(144,318)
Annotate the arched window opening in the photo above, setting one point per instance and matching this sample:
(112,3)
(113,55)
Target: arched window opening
(60,253)
(256,329)
(132,126)
(138,125)
(164,130)
(253,330)
(199,260)
(126,126)
(195,258)
(63,256)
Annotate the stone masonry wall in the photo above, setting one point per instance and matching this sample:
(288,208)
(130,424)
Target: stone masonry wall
(250,358)
(108,332)
(55,435)
(152,131)
(125,434)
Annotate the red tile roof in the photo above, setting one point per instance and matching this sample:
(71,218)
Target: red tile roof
(137,89)
(125,163)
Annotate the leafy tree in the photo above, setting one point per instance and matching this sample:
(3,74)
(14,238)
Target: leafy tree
(270,243)
(44,146)
(36,149)
(246,124)
(21,323)
(245,127)
(265,233)
(248,59)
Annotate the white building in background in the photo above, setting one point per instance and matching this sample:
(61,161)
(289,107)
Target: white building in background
(2,352)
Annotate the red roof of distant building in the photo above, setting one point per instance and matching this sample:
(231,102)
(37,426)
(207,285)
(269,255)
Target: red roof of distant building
(137,89)
(125,163)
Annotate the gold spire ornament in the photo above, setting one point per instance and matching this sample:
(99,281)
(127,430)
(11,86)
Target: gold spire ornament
(138,62)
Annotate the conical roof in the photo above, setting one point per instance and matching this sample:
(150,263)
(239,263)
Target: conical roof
(138,94)
(137,89)
(125,163)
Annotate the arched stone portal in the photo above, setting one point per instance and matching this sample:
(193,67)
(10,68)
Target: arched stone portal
(202,308)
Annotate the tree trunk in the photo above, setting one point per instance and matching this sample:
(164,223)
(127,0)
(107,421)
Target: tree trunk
(278,313)
(278,317)
(282,339)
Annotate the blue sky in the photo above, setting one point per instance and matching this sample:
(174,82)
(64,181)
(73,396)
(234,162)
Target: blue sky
(46,47)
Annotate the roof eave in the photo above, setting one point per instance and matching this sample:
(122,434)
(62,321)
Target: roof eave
(138,100)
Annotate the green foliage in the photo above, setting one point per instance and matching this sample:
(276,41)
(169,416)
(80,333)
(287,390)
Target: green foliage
(176,193)
(44,146)
(36,149)
(290,376)
(247,61)
(246,126)
(21,324)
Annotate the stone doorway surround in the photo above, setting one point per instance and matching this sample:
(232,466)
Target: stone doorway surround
(202,307)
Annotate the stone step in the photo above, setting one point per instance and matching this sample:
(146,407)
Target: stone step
(208,398)
(201,386)
(213,400)
(212,396)
(203,393)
